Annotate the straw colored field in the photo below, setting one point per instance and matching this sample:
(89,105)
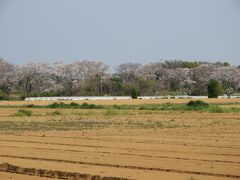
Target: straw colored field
(127,102)
(132,144)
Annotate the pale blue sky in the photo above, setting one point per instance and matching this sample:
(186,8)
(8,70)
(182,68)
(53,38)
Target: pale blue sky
(117,31)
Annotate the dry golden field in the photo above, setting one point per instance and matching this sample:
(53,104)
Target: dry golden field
(121,102)
(120,144)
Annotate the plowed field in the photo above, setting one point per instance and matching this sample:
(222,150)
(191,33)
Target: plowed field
(151,145)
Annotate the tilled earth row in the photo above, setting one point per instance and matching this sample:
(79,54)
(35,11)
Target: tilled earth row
(124,155)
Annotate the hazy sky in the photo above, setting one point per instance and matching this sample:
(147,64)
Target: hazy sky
(117,31)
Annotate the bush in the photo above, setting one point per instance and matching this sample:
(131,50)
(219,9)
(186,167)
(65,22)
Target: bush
(198,104)
(57,105)
(74,104)
(22,97)
(134,93)
(22,112)
(214,89)
(89,106)
(30,105)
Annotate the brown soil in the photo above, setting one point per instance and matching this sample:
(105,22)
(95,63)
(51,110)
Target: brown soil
(202,146)
(134,154)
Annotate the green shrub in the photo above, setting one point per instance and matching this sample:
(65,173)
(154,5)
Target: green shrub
(196,105)
(74,104)
(57,105)
(89,106)
(22,97)
(22,112)
(214,89)
(116,106)
(134,93)
(30,105)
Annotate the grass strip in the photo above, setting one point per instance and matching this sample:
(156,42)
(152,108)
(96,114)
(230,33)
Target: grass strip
(190,106)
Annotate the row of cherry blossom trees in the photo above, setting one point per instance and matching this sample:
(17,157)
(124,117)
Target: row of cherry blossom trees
(93,78)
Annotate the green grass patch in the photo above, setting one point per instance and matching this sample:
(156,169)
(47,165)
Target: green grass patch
(86,113)
(51,125)
(219,109)
(216,109)
(54,113)
(67,125)
(111,112)
(74,105)
(197,105)
(114,112)
(22,112)
(151,124)
(113,109)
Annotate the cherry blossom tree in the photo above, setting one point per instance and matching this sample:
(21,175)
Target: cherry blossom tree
(35,77)
(229,77)
(92,78)
(7,76)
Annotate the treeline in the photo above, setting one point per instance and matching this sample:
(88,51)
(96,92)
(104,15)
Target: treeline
(86,78)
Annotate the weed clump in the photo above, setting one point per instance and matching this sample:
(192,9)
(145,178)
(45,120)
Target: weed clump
(89,106)
(216,109)
(30,105)
(74,105)
(57,105)
(110,112)
(56,113)
(22,112)
(197,103)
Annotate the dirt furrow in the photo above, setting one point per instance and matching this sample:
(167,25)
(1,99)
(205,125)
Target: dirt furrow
(121,148)
(138,141)
(165,143)
(127,154)
(5,167)
(127,166)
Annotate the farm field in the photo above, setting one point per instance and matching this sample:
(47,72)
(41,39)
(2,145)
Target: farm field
(114,143)
(125,102)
